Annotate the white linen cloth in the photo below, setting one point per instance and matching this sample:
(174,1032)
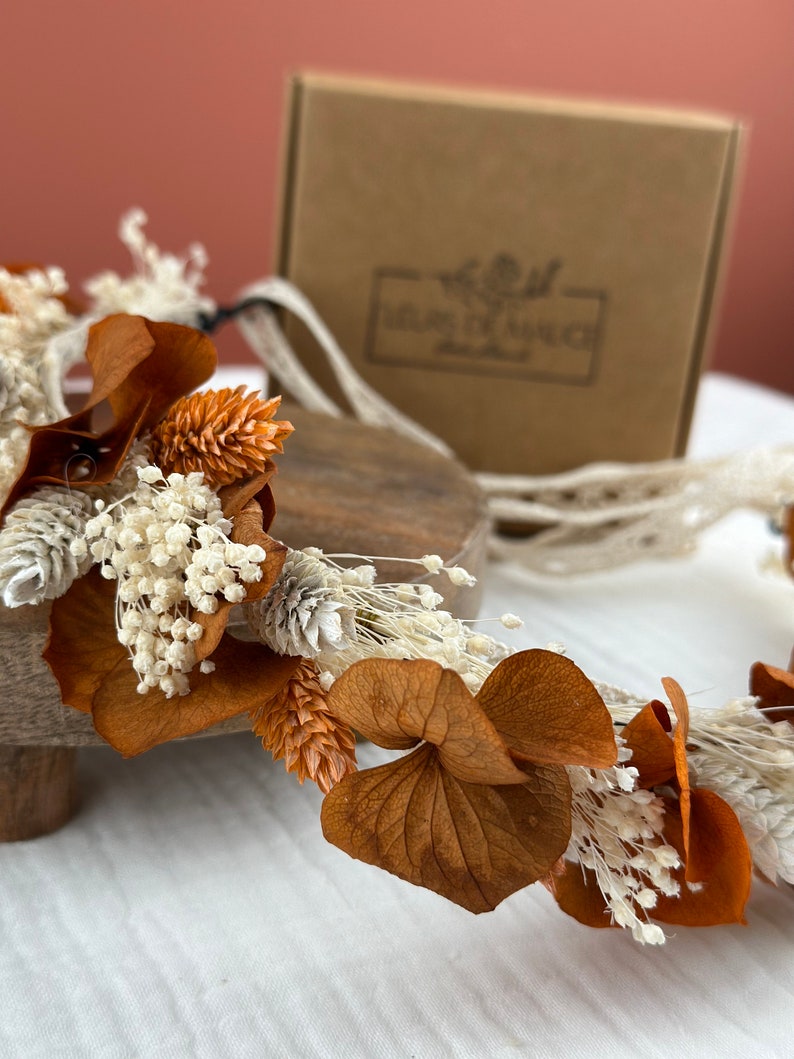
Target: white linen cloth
(193,908)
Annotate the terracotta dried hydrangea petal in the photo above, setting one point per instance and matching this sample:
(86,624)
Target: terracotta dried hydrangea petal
(474,844)
(547,711)
(95,675)
(775,690)
(576,891)
(82,647)
(245,675)
(395,703)
(246,529)
(139,367)
(718,864)
(647,736)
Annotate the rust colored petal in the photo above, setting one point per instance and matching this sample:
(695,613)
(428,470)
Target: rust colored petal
(651,747)
(578,894)
(775,689)
(131,357)
(473,844)
(396,703)
(681,709)
(234,497)
(717,861)
(82,648)
(247,529)
(245,675)
(547,711)
(140,368)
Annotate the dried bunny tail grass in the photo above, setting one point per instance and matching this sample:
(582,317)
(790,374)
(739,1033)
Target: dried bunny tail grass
(225,434)
(297,726)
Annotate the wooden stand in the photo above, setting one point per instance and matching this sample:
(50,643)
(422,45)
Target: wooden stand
(38,790)
(342,487)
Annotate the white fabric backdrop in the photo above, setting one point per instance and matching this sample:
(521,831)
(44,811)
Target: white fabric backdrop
(193,908)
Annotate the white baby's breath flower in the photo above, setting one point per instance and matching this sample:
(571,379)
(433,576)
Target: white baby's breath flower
(165,544)
(616,832)
(163,287)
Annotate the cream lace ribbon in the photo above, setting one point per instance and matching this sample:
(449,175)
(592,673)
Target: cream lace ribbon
(596,517)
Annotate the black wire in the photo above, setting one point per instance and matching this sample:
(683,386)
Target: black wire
(209,323)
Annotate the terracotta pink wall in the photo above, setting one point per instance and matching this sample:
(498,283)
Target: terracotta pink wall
(177,107)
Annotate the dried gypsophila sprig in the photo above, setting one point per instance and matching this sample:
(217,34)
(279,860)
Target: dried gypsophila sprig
(339,615)
(163,286)
(297,726)
(748,760)
(616,832)
(225,434)
(32,362)
(167,545)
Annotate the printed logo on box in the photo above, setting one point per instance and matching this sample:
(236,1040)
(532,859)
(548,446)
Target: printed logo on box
(496,318)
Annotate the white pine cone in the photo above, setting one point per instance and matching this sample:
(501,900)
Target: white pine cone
(35,558)
(300,615)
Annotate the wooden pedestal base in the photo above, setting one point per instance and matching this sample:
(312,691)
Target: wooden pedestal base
(38,790)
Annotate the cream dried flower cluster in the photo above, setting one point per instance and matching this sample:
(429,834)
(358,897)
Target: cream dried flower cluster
(32,364)
(162,286)
(167,546)
(617,833)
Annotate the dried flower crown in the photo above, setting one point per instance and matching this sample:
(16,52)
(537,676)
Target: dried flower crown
(145,533)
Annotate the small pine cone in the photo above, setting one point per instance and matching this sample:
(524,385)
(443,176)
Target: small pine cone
(296,725)
(225,434)
(36,561)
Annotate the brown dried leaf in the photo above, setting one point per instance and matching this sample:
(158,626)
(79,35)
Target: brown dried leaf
(247,529)
(775,689)
(651,747)
(547,711)
(245,675)
(473,844)
(131,356)
(140,367)
(681,709)
(578,894)
(234,497)
(81,647)
(717,859)
(396,703)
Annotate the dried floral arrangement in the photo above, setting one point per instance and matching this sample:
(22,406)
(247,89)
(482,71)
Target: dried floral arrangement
(148,534)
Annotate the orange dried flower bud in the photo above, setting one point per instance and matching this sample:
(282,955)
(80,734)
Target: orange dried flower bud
(297,726)
(225,434)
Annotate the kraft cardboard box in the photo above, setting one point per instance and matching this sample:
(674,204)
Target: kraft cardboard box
(530,279)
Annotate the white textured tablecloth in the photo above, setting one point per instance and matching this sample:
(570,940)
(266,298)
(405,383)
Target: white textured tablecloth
(193,908)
